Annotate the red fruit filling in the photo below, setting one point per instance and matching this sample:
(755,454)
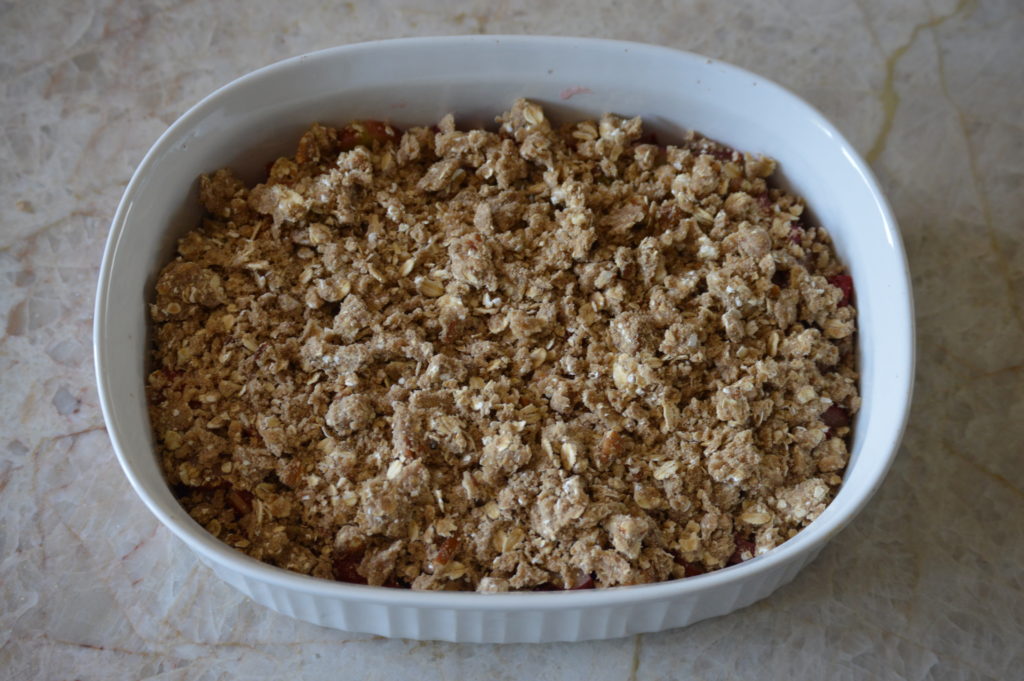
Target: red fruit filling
(844,282)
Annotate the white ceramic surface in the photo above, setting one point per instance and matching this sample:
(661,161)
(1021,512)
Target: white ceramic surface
(416,81)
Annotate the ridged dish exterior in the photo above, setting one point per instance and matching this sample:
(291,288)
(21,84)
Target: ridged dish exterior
(566,623)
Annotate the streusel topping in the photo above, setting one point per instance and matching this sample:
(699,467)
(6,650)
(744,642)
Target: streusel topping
(536,357)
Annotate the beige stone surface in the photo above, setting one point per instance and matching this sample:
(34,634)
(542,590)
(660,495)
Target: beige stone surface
(927,583)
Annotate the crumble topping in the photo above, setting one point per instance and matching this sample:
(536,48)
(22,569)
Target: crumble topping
(536,357)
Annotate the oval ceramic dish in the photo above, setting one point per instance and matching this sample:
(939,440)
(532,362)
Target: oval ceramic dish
(416,81)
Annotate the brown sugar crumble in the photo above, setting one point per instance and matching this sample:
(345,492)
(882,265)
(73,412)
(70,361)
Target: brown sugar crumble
(541,357)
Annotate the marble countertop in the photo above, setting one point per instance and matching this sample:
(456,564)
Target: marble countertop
(928,582)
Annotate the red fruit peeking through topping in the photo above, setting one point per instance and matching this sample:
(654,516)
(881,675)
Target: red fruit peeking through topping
(843,282)
(835,417)
(345,566)
(744,551)
(693,569)
(447,551)
(796,232)
(689,569)
(723,154)
(365,133)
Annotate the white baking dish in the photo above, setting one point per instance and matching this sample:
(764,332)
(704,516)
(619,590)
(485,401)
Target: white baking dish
(416,81)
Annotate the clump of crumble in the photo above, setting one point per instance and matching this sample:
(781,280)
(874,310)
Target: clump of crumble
(541,357)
